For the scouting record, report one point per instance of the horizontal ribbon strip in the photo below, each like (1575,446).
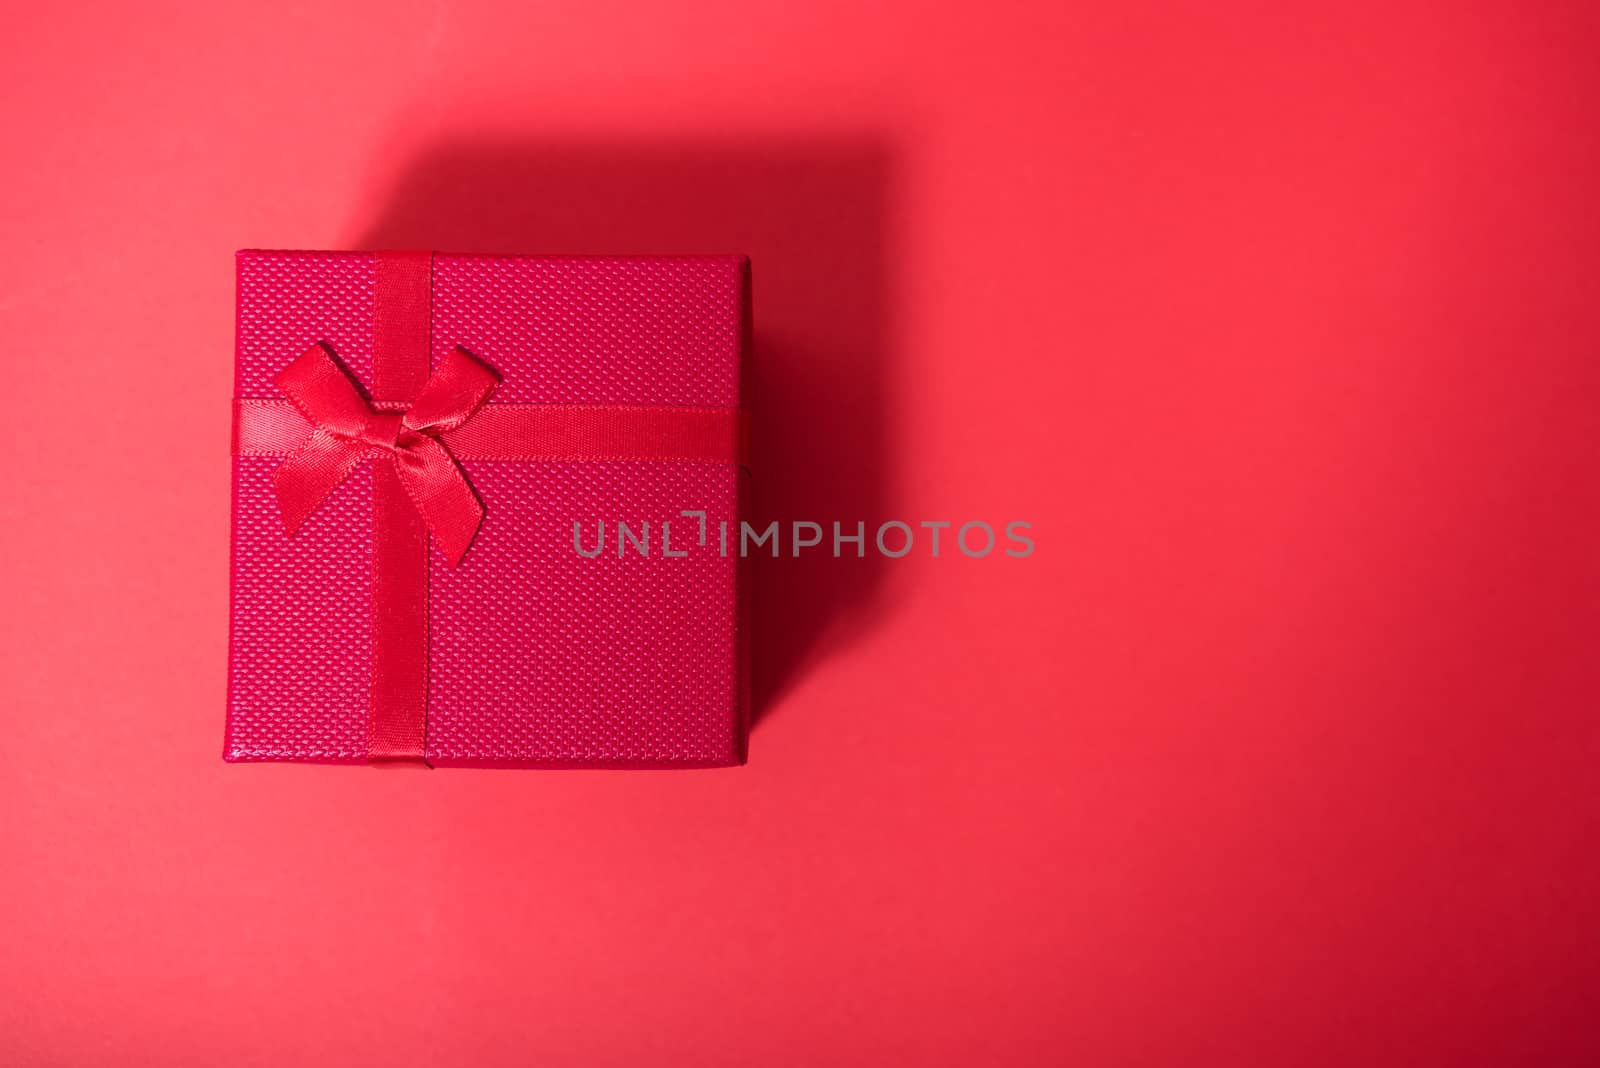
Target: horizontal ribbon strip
(534,432)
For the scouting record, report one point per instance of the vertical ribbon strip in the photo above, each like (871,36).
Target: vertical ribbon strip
(402,351)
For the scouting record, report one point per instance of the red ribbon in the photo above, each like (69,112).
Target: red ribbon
(593,432)
(346,430)
(421,425)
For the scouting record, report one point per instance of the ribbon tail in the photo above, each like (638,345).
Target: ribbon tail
(306,478)
(440,492)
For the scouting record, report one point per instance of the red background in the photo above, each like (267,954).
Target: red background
(1279,325)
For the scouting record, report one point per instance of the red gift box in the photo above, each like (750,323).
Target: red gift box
(427,451)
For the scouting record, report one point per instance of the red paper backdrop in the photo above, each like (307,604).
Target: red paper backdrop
(1280,327)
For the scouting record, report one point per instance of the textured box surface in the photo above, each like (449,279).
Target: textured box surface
(538,656)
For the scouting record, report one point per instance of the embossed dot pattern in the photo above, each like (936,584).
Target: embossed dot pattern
(300,660)
(595,330)
(291,300)
(542,655)
(300,636)
(539,656)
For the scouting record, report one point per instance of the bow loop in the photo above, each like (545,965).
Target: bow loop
(452,394)
(346,429)
(319,387)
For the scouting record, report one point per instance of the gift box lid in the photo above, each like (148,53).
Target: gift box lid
(534,650)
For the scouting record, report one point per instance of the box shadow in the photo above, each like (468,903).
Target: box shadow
(812,214)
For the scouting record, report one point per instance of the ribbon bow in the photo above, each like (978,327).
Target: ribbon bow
(347,429)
